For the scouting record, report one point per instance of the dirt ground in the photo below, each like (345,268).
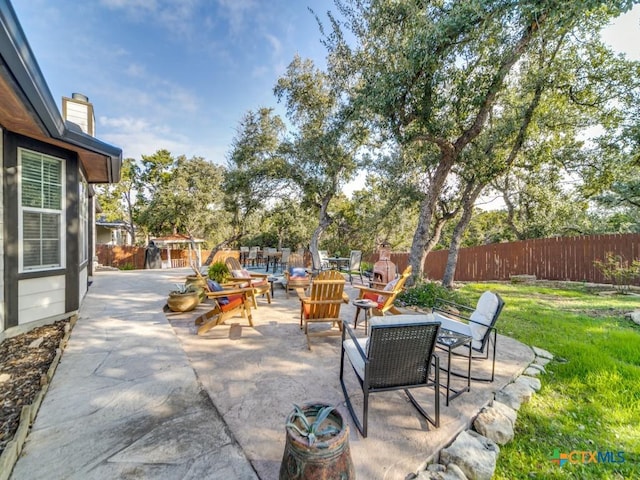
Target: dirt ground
(24,362)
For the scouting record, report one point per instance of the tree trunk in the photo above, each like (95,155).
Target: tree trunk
(422,237)
(324,220)
(461,226)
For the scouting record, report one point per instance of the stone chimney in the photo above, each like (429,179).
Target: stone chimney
(79,110)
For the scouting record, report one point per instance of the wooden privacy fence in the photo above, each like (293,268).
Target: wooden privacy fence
(132,257)
(564,258)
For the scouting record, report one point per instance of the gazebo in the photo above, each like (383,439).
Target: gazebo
(179,241)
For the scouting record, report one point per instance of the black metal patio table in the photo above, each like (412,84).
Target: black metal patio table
(448,340)
(339,261)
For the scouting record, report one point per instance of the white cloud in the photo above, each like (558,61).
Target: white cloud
(177,16)
(138,136)
(136,70)
(275,44)
(235,11)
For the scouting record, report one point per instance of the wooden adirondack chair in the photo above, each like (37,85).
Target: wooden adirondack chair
(323,304)
(243,278)
(227,303)
(383,298)
(295,275)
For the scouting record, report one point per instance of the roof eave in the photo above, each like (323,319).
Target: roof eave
(21,61)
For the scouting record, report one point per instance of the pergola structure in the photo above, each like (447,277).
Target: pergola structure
(178,241)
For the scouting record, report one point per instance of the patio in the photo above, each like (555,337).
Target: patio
(255,375)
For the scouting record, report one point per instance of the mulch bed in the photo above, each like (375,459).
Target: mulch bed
(24,362)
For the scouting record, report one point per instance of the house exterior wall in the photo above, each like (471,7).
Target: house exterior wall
(83,282)
(104,236)
(2,326)
(40,298)
(40,295)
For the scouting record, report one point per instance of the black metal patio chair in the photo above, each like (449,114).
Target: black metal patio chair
(479,323)
(397,355)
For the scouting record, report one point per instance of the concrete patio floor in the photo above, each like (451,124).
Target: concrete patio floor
(254,376)
(138,394)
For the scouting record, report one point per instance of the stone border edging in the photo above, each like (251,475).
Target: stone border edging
(474,452)
(28,414)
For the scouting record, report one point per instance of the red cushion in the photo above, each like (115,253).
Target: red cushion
(373,297)
(234,302)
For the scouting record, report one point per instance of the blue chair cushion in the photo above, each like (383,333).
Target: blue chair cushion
(216,287)
(297,272)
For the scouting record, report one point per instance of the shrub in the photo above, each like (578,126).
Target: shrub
(618,271)
(424,295)
(218,271)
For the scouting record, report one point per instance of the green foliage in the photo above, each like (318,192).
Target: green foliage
(127,266)
(589,396)
(312,431)
(218,271)
(424,295)
(255,172)
(619,271)
(180,195)
(183,289)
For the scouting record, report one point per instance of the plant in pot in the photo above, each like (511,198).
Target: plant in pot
(183,298)
(317,444)
(218,272)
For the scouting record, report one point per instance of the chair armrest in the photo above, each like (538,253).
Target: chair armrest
(260,275)
(442,301)
(348,330)
(376,291)
(230,291)
(445,306)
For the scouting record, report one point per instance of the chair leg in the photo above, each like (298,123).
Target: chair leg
(306,333)
(362,427)
(435,420)
(208,320)
(355,319)
(494,334)
(247,312)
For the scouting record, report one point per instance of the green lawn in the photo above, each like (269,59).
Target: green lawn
(590,396)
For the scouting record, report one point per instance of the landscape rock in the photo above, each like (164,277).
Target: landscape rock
(506,410)
(542,353)
(541,361)
(522,278)
(536,366)
(474,454)
(436,471)
(635,316)
(492,424)
(514,394)
(534,383)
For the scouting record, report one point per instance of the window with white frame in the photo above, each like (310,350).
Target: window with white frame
(41,217)
(83,219)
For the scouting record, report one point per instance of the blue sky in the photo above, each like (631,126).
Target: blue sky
(180,74)
(174,74)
